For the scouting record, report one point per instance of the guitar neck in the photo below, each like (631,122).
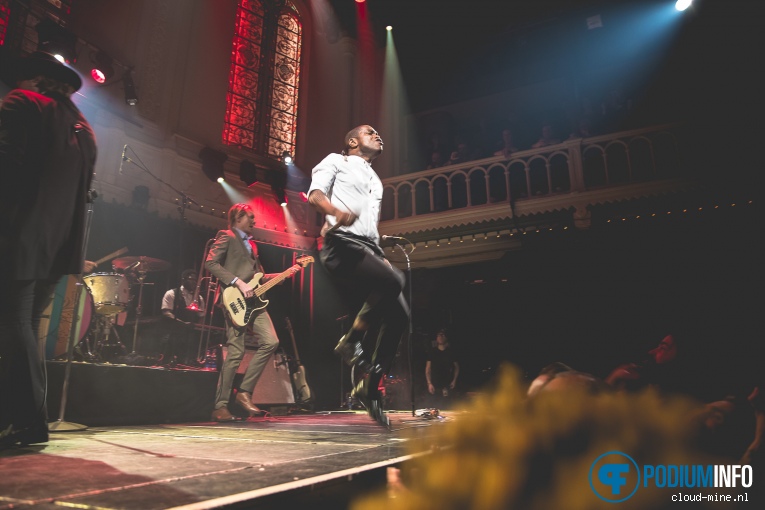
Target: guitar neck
(275,280)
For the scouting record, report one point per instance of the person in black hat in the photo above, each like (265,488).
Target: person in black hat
(47,156)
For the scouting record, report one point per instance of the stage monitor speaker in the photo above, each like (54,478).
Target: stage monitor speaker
(274,385)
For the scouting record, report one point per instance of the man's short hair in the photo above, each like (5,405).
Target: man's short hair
(187,273)
(353,133)
(236,212)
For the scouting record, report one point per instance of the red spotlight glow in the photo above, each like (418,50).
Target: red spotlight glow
(97,75)
(304,196)
(102,69)
(360,1)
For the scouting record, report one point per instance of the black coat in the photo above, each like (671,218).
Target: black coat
(47,156)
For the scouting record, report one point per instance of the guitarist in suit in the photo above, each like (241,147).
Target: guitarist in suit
(233,260)
(348,191)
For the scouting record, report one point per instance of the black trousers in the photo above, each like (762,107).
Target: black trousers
(365,279)
(22,374)
(180,341)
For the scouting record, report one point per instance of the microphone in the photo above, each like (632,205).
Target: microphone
(394,239)
(123,158)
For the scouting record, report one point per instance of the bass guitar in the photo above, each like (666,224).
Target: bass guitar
(241,309)
(302,391)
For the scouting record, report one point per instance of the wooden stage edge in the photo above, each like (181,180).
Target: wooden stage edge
(295,485)
(322,460)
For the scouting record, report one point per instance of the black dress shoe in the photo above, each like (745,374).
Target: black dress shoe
(349,347)
(374,403)
(367,391)
(33,434)
(367,386)
(376,412)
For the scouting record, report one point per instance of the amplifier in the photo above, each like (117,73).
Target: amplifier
(274,385)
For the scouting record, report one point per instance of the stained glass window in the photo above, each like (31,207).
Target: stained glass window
(284,94)
(5,13)
(261,113)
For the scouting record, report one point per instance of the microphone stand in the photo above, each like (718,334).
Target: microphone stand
(185,200)
(344,401)
(409,334)
(60,425)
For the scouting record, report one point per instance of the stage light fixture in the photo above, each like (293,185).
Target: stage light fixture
(280,196)
(287,158)
(212,163)
(102,70)
(54,39)
(248,173)
(682,5)
(131,97)
(389,28)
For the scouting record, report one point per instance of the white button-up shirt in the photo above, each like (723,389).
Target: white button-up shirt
(168,302)
(350,183)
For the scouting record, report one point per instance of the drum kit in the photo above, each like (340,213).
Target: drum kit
(106,297)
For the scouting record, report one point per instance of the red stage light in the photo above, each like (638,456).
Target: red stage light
(97,75)
(360,1)
(103,68)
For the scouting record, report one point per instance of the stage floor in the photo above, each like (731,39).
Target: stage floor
(257,463)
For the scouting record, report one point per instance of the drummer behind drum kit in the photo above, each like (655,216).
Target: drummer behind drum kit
(106,299)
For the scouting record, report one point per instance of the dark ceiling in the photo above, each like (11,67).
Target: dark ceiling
(441,44)
(454,50)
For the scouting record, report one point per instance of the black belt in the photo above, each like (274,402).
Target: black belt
(357,239)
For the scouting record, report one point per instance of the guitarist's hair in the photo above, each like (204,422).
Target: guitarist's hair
(236,212)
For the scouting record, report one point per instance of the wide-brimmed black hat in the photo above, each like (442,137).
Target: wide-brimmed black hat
(13,69)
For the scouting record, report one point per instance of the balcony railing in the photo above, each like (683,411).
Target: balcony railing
(577,165)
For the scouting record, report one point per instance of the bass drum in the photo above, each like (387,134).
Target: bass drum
(56,323)
(110,291)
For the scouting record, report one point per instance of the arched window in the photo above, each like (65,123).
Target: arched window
(262,100)
(5,14)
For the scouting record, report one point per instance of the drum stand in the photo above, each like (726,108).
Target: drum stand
(88,354)
(141,277)
(105,326)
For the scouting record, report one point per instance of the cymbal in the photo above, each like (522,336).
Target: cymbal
(140,264)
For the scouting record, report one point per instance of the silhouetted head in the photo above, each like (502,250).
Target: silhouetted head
(666,351)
